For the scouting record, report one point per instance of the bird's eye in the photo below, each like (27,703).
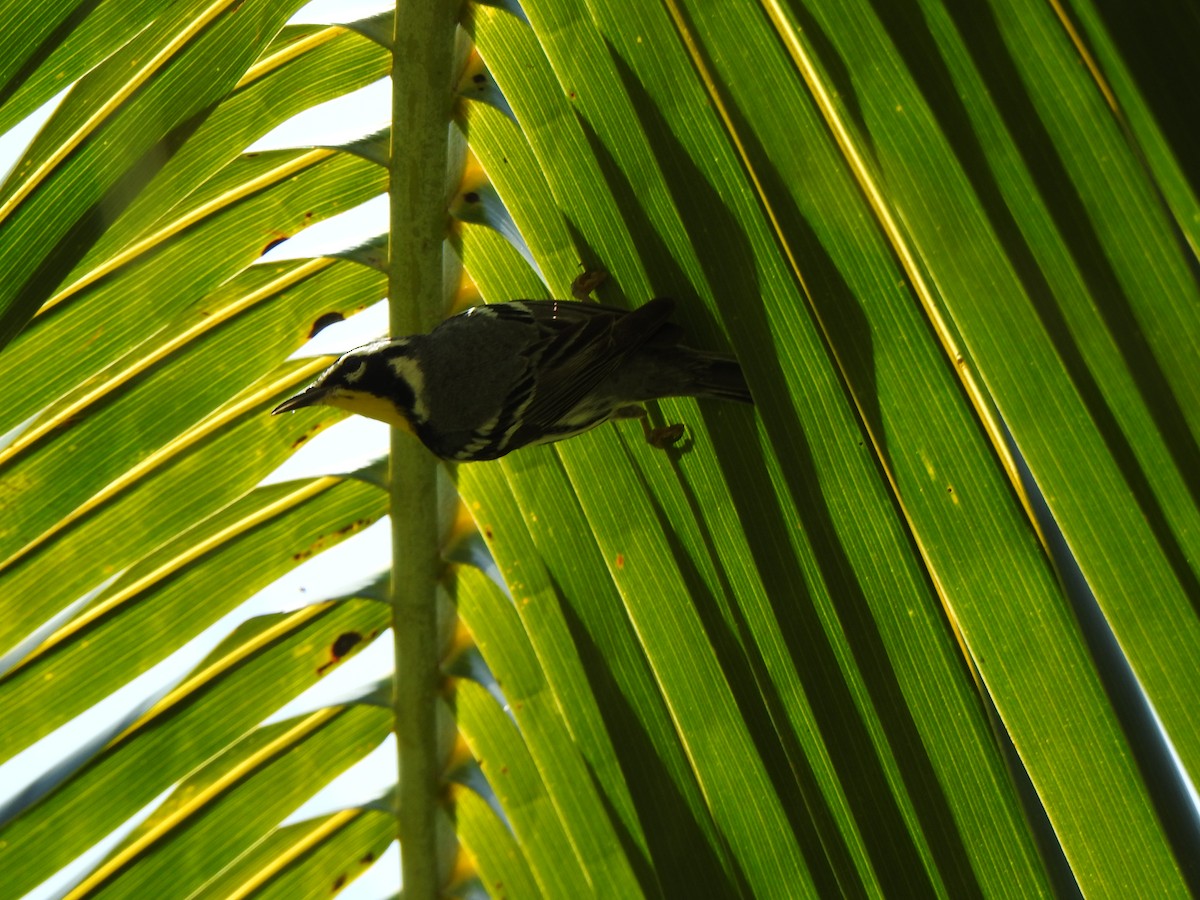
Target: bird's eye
(354,371)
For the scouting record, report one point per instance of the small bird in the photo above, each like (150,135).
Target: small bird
(500,377)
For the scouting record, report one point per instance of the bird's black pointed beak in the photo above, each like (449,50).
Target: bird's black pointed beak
(310,397)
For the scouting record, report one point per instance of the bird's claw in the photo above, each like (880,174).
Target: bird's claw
(661,437)
(583,285)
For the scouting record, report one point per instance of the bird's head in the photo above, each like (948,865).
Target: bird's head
(382,380)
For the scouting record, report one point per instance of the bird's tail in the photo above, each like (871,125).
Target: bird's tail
(709,375)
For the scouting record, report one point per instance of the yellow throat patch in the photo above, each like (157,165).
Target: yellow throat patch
(370,405)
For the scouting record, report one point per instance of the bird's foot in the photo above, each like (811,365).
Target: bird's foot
(583,285)
(662,437)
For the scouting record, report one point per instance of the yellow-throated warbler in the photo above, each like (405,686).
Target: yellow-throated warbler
(499,377)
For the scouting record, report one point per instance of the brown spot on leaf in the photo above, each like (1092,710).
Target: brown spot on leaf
(345,642)
(324,321)
(304,437)
(271,245)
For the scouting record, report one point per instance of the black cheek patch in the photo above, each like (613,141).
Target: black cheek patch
(381,380)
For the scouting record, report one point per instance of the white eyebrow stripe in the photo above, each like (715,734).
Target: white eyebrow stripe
(406,369)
